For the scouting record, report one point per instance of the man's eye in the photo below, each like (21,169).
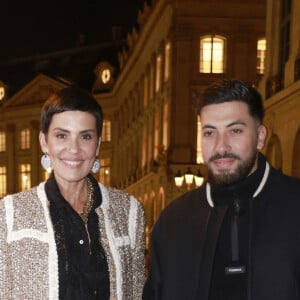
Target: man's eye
(236,130)
(207,133)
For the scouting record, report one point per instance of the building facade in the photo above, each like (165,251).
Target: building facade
(281,85)
(152,132)
(181,48)
(20,152)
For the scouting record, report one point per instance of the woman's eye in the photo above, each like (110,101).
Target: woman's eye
(86,137)
(61,136)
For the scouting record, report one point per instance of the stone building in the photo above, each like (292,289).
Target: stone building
(181,47)
(281,85)
(152,132)
(28,82)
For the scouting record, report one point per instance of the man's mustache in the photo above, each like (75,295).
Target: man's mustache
(224,155)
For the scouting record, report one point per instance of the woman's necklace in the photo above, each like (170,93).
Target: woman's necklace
(89,203)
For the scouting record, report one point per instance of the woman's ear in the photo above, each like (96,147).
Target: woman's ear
(43,142)
(98,146)
(262,136)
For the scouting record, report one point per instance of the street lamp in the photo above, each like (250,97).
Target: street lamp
(188,177)
(199,179)
(178,179)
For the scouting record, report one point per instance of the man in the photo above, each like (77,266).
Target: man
(238,236)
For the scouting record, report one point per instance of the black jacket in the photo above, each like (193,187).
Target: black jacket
(184,240)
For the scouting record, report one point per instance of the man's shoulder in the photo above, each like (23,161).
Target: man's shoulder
(186,204)
(282,187)
(284,180)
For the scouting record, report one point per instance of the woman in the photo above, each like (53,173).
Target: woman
(70,237)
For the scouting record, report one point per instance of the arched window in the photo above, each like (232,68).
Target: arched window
(212,56)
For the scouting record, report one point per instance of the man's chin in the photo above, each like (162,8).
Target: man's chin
(222,178)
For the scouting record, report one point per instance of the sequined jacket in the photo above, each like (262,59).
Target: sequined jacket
(28,257)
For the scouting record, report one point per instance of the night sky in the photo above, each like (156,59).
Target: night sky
(34,27)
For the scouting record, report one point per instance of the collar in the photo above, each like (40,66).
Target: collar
(55,197)
(251,186)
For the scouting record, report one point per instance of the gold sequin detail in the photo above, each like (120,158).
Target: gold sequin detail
(89,203)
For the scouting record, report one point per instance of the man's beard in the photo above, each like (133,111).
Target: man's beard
(226,177)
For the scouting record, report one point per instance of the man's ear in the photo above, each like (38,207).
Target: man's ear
(262,136)
(43,142)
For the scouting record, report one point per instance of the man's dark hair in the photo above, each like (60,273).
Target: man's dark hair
(234,90)
(70,99)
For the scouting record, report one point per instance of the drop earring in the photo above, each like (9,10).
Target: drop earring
(46,161)
(96,166)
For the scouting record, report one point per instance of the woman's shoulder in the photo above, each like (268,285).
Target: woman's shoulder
(22,196)
(24,206)
(108,191)
(24,199)
(117,198)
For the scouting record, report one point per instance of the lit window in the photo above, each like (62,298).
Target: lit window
(25,176)
(151,81)
(212,54)
(25,139)
(146,90)
(261,55)
(2,93)
(144,146)
(2,141)
(104,173)
(3,181)
(105,75)
(167,61)
(158,73)
(199,140)
(106,131)
(156,135)
(165,125)
(285,36)
(150,141)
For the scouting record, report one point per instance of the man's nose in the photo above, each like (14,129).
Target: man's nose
(222,144)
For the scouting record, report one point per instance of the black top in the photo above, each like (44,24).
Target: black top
(230,274)
(83,268)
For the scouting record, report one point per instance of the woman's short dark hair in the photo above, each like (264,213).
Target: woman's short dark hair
(70,99)
(234,90)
